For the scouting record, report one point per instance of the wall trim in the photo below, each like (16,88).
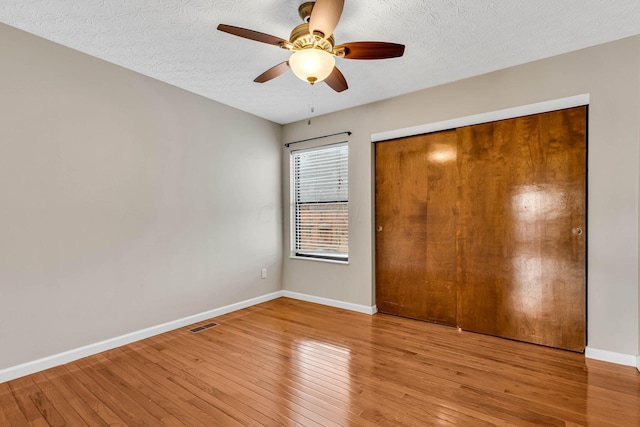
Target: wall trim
(28,368)
(331,302)
(613,357)
(492,116)
(638,362)
(38,365)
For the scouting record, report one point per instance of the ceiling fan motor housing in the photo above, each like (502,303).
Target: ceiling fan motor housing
(301,39)
(305,10)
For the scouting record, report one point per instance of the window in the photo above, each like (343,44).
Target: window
(320,192)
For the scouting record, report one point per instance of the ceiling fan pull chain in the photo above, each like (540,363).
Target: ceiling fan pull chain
(311,107)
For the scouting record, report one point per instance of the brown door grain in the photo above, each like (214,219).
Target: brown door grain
(416,227)
(483,227)
(521,223)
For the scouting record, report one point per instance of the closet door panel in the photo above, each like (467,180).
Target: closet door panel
(521,228)
(415,227)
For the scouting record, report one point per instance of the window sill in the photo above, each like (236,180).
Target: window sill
(331,261)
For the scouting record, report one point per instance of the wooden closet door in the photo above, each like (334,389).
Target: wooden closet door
(521,228)
(416,227)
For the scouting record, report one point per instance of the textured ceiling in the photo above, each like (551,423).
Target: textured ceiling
(176,41)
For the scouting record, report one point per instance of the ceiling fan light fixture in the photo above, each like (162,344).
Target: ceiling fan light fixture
(312,65)
(313,46)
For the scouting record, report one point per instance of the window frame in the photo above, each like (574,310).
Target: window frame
(294,221)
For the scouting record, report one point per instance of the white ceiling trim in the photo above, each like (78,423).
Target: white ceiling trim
(492,116)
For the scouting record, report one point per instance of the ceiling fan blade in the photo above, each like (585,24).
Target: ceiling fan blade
(251,35)
(325,16)
(273,72)
(336,80)
(371,50)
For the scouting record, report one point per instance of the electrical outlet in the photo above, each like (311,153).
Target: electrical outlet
(263,273)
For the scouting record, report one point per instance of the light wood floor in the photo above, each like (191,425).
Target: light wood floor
(287,362)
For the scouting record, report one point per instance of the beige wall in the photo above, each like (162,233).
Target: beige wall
(610,74)
(125,202)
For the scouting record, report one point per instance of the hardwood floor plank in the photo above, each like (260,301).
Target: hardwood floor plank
(163,391)
(467,368)
(9,408)
(48,411)
(264,351)
(290,376)
(294,395)
(49,397)
(298,413)
(297,375)
(22,388)
(403,391)
(292,363)
(66,380)
(200,385)
(125,409)
(230,407)
(66,401)
(115,385)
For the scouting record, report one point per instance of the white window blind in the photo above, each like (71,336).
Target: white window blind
(321,202)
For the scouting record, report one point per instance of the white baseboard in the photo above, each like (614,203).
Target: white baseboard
(28,368)
(18,371)
(331,302)
(610,356)
(638,362)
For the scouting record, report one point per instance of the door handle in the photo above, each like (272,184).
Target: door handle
(379,228)
(577,231)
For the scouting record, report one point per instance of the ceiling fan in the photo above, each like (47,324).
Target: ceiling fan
(313,46)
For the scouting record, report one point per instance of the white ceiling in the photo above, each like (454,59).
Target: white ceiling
(176,41)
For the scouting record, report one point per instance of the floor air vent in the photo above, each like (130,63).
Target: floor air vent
(202,327)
